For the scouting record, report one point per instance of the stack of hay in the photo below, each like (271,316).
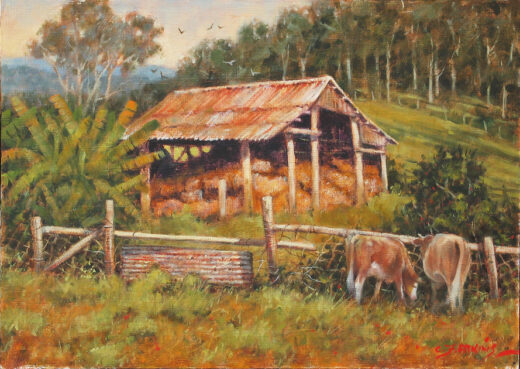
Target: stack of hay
(200,191)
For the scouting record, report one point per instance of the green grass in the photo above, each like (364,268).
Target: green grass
(154,322)
(418,133)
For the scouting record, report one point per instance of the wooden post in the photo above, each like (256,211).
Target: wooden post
(270,236)
(315,160)
(109,238)
(37,238)
(245,157)
(358,164)
(222,198)
(491,265)
(146,196)
(291,164)
(384,174)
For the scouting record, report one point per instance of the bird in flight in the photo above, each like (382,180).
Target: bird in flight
(230,62)
(210,27)
(154,70)
(253,73)
(180,30)
(220,27)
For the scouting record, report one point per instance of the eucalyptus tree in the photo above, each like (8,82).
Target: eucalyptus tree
(89,42)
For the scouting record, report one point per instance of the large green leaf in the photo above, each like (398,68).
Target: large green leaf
(142,160)
(135,140)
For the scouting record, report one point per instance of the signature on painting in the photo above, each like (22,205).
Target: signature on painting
(488,347)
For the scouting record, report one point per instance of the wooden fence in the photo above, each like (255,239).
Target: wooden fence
(271,244)
(108,234)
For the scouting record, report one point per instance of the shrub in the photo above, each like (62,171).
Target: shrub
(449,195)
(15,320)
(63,166)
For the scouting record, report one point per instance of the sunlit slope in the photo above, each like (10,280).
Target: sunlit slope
(418,133)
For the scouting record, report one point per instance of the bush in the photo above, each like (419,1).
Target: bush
(63,166)
(449,195)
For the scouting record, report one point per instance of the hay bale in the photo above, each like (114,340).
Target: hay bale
(193,184)
(303,201)
(331,196)
(209,184)
(191,197)
(280,203)
(303,175)
(344,166)
(233,205)
(261,166)
(338,179)
(204,209)
(269,186)
(167,207)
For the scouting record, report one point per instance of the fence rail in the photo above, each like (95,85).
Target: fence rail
(270,242)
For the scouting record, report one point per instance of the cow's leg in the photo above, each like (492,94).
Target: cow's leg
(360,281)
(350,282)
(377,289)
(398,280)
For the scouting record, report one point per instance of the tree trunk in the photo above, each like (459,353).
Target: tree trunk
(430,80)
(349,73)
(453,78)
(504,101)
(437,73)
(109,84)
(488,93)
(414,72)
(302,66)
(518,78)
(378,84)
(365,75)
(388,72)
(478,80)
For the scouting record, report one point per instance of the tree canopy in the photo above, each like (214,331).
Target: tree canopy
(89,42)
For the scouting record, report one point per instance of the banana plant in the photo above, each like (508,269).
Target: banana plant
(68,164)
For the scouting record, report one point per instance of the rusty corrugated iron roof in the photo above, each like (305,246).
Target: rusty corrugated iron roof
(252,112)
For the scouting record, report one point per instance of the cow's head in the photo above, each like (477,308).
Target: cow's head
(423,243)
(411,282)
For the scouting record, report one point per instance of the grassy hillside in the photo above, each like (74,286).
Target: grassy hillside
(418,133)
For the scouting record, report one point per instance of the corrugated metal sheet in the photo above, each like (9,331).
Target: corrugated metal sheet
(253,112)
(233,268)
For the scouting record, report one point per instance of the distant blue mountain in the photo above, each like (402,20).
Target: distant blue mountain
(26,74)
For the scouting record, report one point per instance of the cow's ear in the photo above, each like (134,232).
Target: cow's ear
(417,242)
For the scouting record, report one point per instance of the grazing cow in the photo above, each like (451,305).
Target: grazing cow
(383,258)
(446,260)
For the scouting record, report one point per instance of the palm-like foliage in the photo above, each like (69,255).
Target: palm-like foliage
(66,166)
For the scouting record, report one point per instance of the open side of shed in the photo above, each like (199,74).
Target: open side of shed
(277,121)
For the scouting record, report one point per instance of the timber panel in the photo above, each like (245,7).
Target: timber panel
(231,268)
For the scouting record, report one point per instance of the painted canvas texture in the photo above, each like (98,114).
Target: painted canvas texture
(253,184)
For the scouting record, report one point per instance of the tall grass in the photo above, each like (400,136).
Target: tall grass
(156,322)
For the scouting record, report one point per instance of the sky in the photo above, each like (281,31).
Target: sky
(21,19)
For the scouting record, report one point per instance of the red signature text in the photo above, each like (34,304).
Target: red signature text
(487,347)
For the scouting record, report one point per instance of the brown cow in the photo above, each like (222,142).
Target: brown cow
(383,258)
(446,260)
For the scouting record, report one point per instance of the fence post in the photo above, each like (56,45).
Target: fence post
(37,238)
(109,238)
(222,189)
(270,236)
(491,265)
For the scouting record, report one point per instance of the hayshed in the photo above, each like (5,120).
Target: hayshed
(302,141)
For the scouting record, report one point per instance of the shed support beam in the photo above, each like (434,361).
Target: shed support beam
(384,175)
(358,164)
(315,159)
(291,164)
(146,195)
(245,158)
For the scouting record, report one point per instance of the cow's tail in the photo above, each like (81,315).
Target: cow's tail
(349,243)
(457,285)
